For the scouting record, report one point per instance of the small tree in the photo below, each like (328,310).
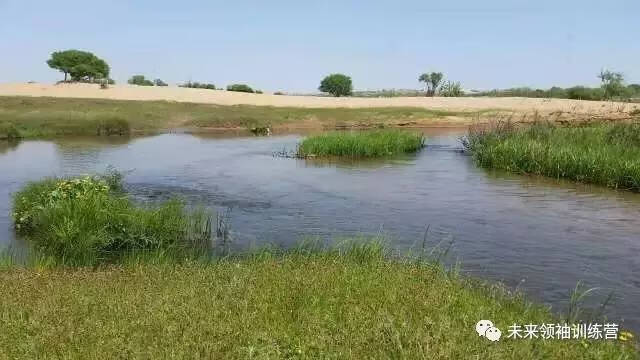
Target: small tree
(431,82)
(612,83)
(336,85)
(140,80)
(81,65)
(451,89)
(159,82)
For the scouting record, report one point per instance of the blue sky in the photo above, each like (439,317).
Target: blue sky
(291,45)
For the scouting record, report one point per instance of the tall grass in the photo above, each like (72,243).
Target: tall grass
(88,221)
(604,154)
(376,143)
(350,302)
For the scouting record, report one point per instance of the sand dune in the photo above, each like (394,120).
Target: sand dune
(220,97)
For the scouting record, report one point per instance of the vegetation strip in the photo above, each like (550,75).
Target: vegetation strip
(30,117)
(353,303)
(375,143)
(88,220)
(604,154)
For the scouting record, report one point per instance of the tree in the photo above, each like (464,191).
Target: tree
(240,88)
(81,65)
(612,83)
(159,82)
(140,80)
(431,82)
(451,89)
(336,85)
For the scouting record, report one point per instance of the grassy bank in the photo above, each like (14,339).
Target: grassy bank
(42,117)
(110,279)
(604,154)
(86,221)
(351,303)
(376,143)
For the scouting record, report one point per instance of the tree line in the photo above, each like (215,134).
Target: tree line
(83,66)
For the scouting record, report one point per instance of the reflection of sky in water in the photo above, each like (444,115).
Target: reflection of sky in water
(505,227)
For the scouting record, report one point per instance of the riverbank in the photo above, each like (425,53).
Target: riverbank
(165,108)
(602,154)
(303,303)
(32,117)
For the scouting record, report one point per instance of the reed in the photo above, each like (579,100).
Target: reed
(603,154)
(376,143)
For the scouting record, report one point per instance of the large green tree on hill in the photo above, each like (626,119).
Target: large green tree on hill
(80,65)
(336,85)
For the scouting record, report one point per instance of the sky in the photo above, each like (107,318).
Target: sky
(290,45)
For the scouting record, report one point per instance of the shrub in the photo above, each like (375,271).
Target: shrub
(9,131)
(197,85)
(336,85)
(375,143)
(140,80)
(85,221)
(240,88)
(112,125)
(159,82)
(585,93)
(451,89)
(278,93)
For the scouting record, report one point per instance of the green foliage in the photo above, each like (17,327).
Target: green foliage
(432,82)
(197,85)
(9,131)
(602,154)
(585,93)
(612,83)
(159,82)
(336,85)
(377,143)
(451,89)
(81,65)
(84,221)
(140,80)
(112,125)
(240,88)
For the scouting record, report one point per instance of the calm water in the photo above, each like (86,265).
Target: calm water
(538,234)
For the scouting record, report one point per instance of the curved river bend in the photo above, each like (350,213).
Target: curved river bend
(540,235)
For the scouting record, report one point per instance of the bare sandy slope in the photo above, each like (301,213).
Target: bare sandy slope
(129,92)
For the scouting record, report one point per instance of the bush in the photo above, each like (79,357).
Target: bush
(140,80)
(585,93)
(197,85)
(240,88)
(9,131)
(159,82)
(451,89)
(84,221)
(336,85)
(278,93)
(112,125)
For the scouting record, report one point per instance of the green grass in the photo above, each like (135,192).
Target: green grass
(86,221)
(374,143)
(604,154)
(44,117)
(352,302)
